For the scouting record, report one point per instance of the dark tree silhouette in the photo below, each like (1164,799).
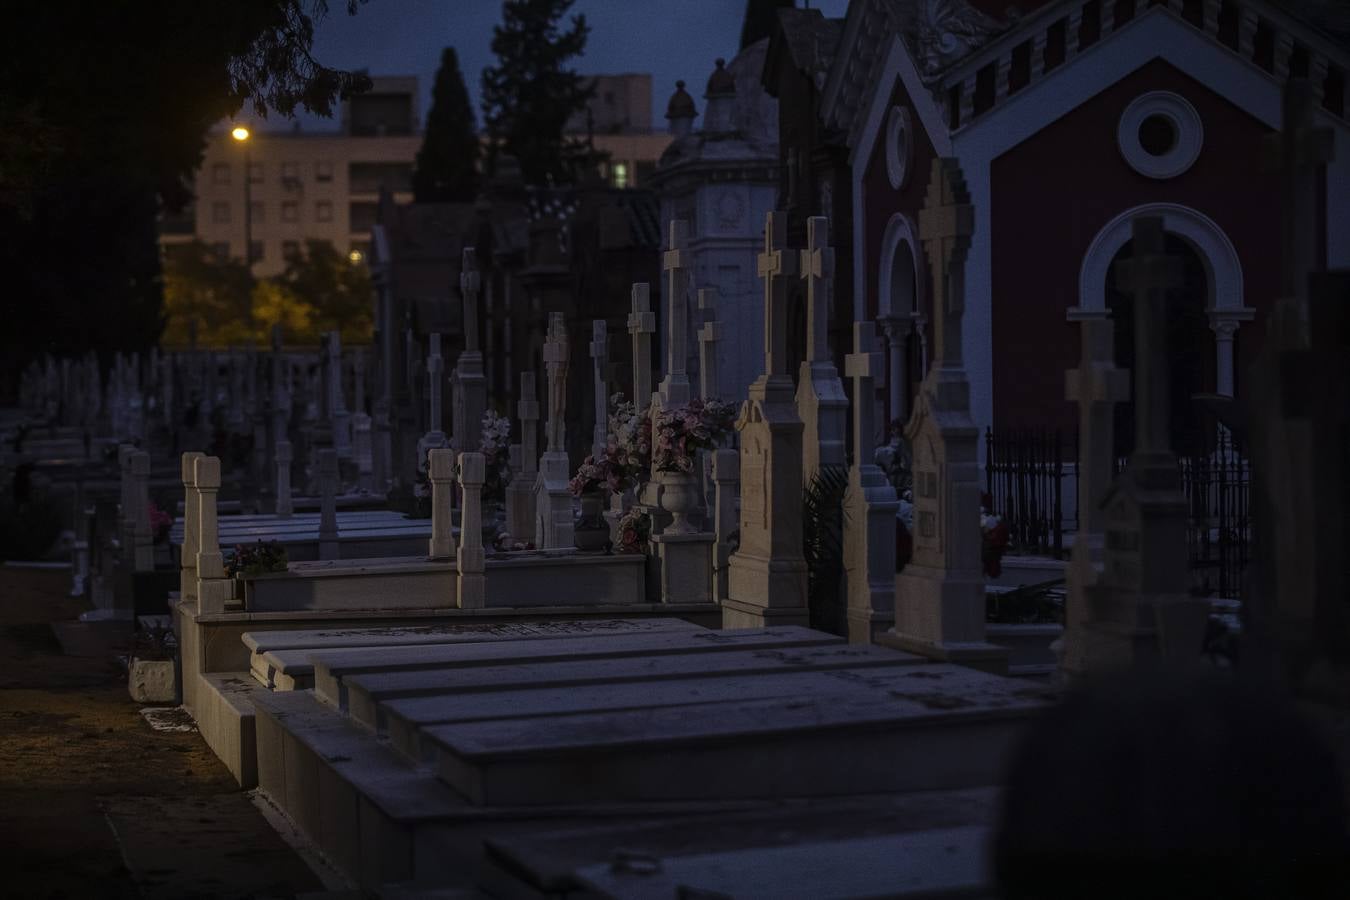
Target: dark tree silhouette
(446,167)
(760,18)
(530,94)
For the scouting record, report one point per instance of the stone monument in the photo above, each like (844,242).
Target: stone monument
(820,394)
(552,497)
(520,492)
(471,590)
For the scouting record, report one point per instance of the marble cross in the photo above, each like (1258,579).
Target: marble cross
(642,325)
(1096,386)
(469,282)
(599,354)
(864,365)
(1148,276)
(708,338)
(675,261)
(946,223)
(775,265)
(555,362)
(817,265)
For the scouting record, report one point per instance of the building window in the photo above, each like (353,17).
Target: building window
(290,170)
(323,170)
(323,211)
(645,170)
(369,178)
(221,249)
(290,211)
(255,212)
(1160,134)
(620,171)
(290,250)
(220,213)
(361,216)
(220,174)
(255,251)
(255,173)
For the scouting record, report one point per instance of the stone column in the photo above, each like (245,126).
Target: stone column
(213,588)
(472,582)
(552,497)
(599,354)
(284,458)
(870,505)
(142,541)
(897,329)
(726,473)
(328,524)
(471,383)
(520,506)
(767,578)
(187,556)
(441,471)
(821,402)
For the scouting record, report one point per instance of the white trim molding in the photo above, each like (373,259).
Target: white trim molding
(899,230)
(1187,128)
(1223,269)
(899,146)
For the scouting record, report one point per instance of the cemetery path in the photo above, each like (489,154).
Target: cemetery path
(95,802)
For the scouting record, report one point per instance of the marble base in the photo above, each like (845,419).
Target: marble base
(685,567)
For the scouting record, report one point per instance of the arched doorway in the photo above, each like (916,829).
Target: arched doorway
(1191,352)
(900,297)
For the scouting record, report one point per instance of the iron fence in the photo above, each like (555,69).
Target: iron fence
(1024,477)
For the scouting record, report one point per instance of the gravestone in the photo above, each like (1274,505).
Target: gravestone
(641,326)
(599,354)
(1140,608)
(869,504)
(434,438)
(471,384)
(1096,386)
(820,394)
(284,458)
(767,574)
(939,597)
(187,583)
(472,583)
(520,492)
(675,389)
(709,336)
(328,527)
(552,497)
(213,588)
(441,473)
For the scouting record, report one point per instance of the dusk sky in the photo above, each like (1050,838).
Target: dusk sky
(671,39)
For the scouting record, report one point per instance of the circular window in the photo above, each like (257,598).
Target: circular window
(1160,134)
(899,146)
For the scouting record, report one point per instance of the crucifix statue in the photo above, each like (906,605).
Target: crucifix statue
(775,265)
(945,225)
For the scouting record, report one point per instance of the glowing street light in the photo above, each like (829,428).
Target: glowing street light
(355,256)
(240,133)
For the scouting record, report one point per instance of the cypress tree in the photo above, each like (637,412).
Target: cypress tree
(446,166)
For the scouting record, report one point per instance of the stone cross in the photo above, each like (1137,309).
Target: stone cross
(817,265)
(776,265)
(555,361)
(328,525)
(527,410)
(1096,386)
(1149,275)
(675,261)
(946,223)
(472,587)
(864,365)
(213,589)
(709,336)
(441,472)
(599,354)
(1301,152)
(469,282)
(283,460)
(642,325)
(187,575)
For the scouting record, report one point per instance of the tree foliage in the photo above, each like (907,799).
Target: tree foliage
(104,108)
(761,16)
(446,167)
(531,93)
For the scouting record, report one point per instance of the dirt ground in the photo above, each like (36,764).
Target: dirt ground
(93,801)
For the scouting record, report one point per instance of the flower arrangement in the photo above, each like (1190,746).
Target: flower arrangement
(994,538)
(682,431)
(629,443)
(591,476)
(258,559)
(495,445)
(160,523)
(635,530)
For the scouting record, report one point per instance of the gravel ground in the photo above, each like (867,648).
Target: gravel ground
(93,801)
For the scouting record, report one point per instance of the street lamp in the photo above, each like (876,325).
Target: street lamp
(241,134)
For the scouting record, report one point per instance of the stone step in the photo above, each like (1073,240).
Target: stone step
(293,668)
(405,718)
(263,643)
(331,666)
(939,726)
(366,692)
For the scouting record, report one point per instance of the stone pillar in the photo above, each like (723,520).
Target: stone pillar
(726,473)
(213,588)
(821,402)
(441,471)
(337,402)
(939,598)
(435,437)
(675,389)
(641,326)
(709,336)
(472,582)
(142,540)
(520,507)
(284,457)
(471,383)
(187,557)
(767,577)
(552,497)
(599,354)
(897,329)
(870,505)
(328,524)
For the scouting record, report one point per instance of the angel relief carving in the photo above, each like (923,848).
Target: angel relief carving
(947,30)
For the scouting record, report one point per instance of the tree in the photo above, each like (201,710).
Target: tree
(761,16)
(338,290)
(530,94)
(207,299)
(113,126)
(446,168)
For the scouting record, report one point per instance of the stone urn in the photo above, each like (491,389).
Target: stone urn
(591,531)
(680,498)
